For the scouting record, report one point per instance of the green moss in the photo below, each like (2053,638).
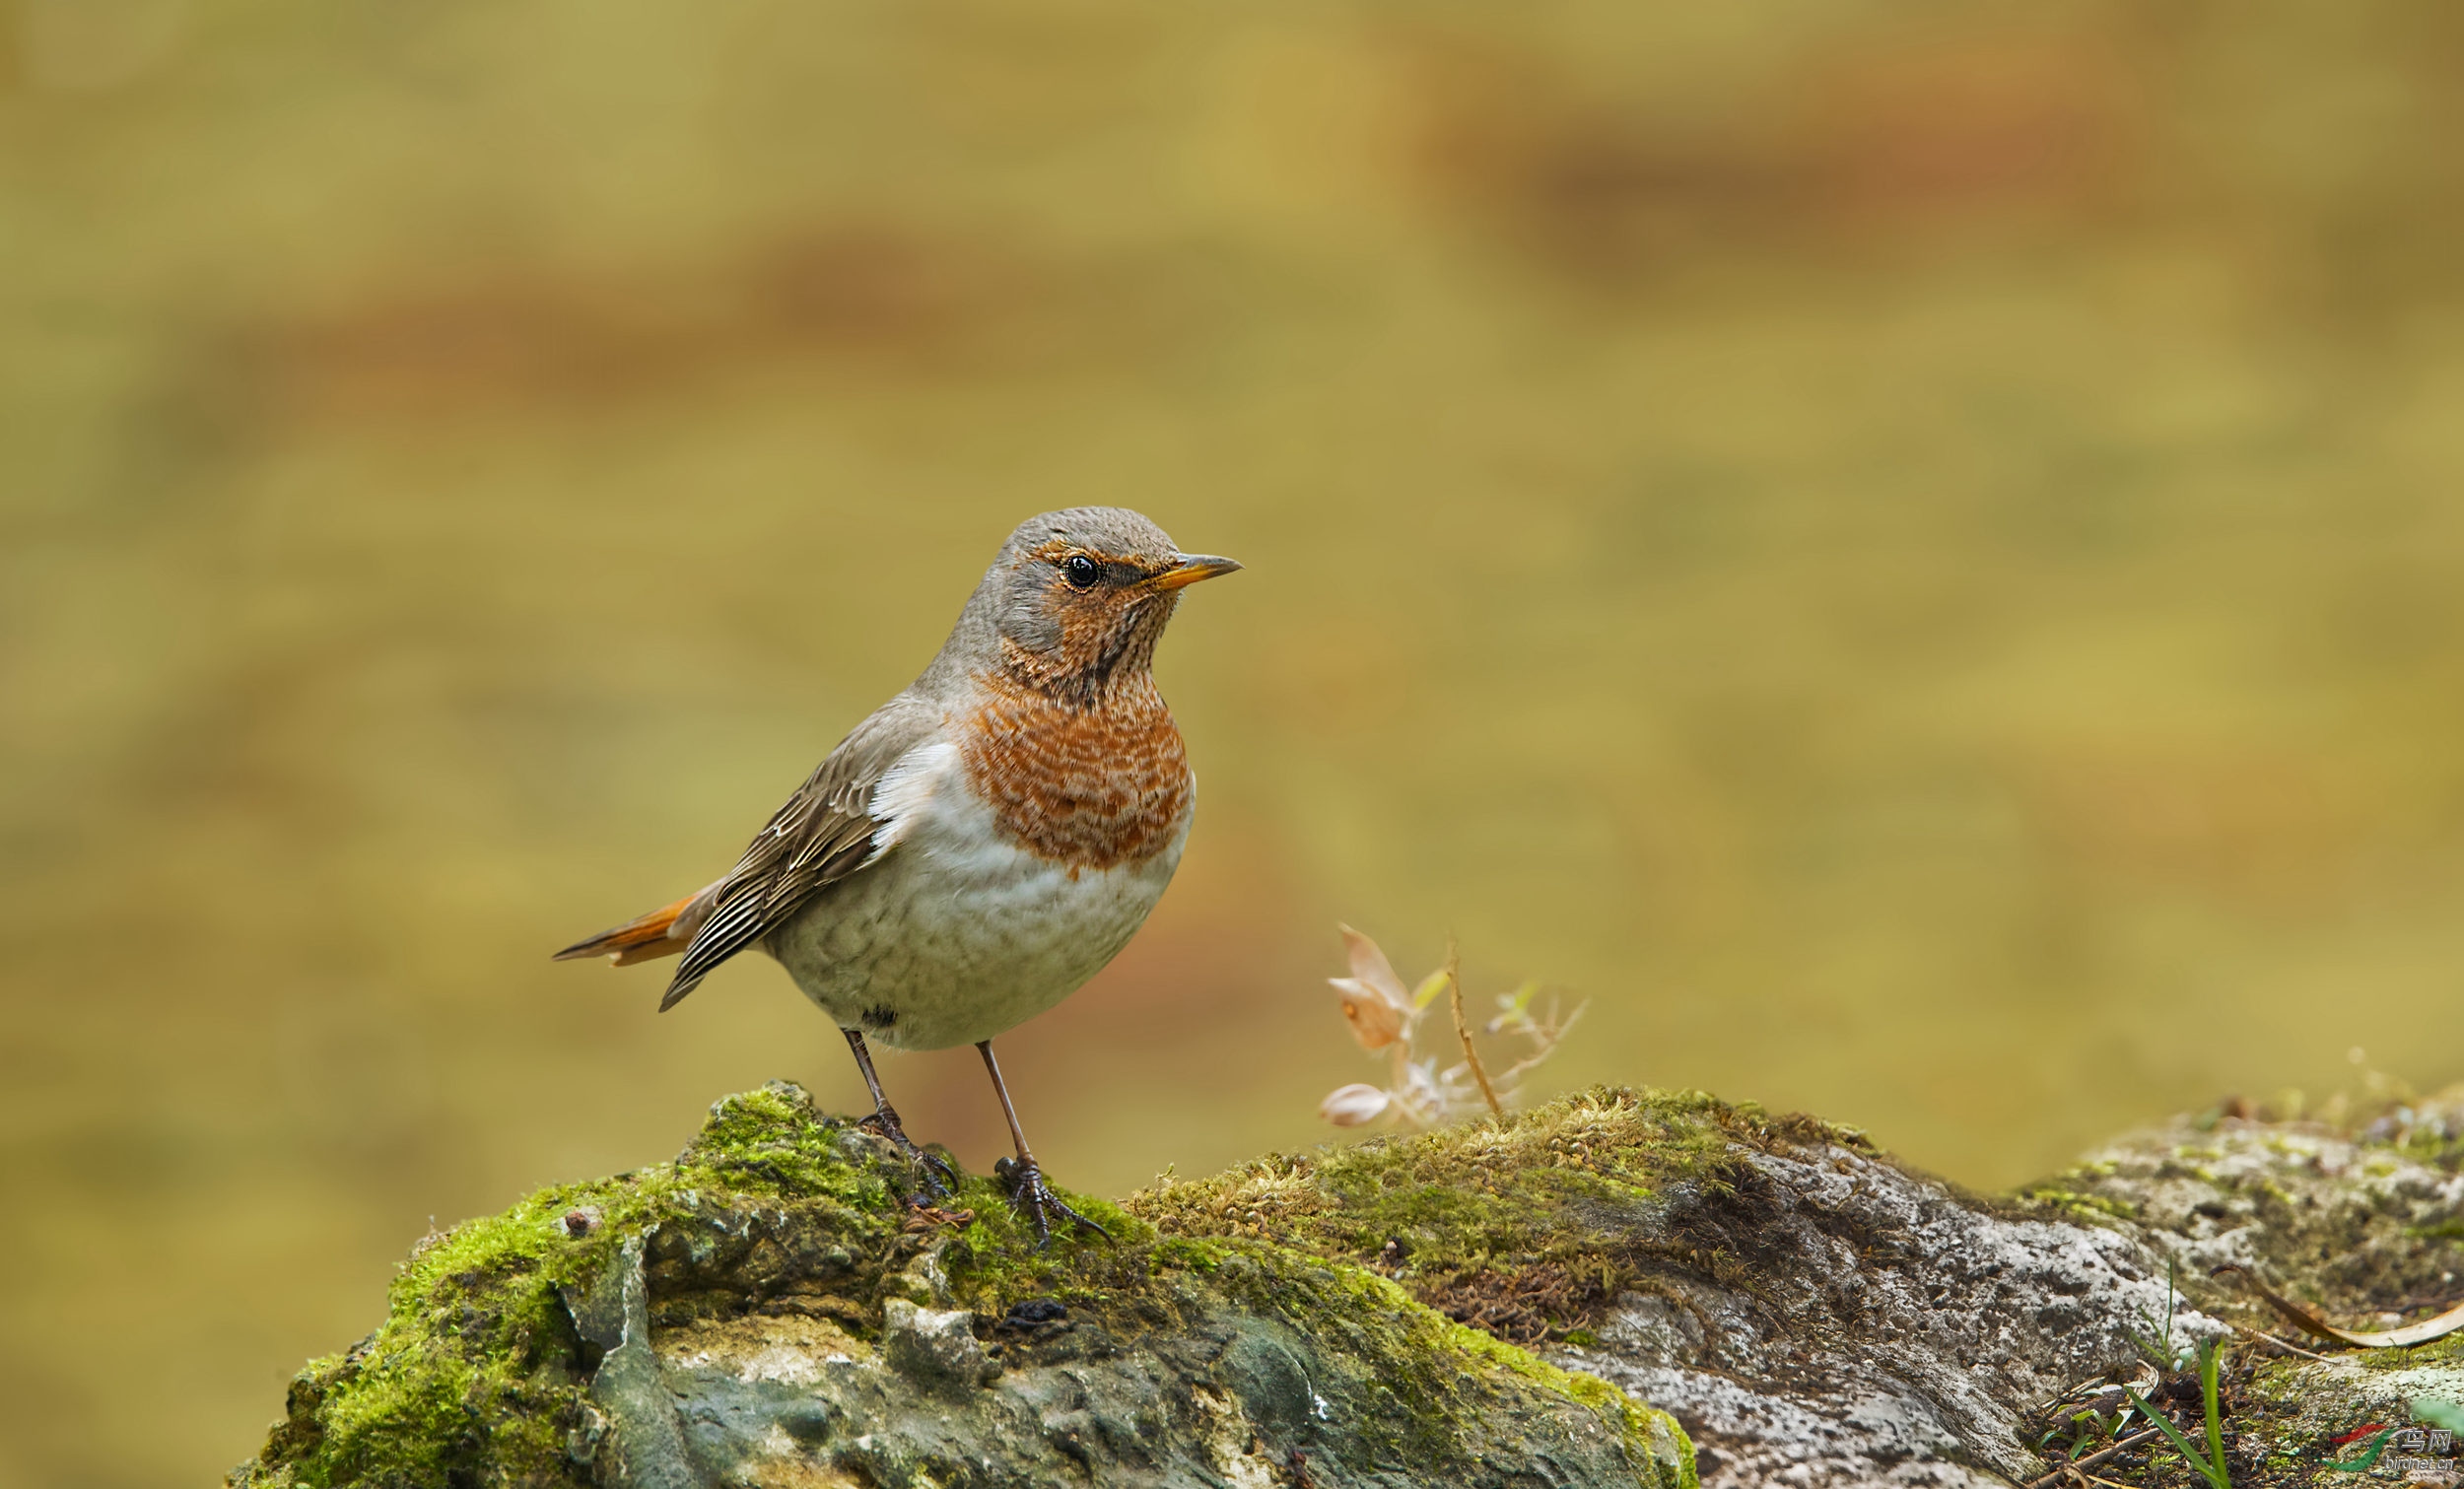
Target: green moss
(1500,1208)
(1188,1253)
(1651,1437)
(474,1334)
(2074,1204)
(994,1260)
(2435,1352)
(478,1375)
(1430,1383)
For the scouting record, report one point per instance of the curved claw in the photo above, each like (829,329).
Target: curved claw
(937,1171)
(1035,1200)
(940,1180)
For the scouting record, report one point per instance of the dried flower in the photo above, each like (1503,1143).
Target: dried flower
(1375,1022)
(1375,1003)
(1385,1016)
(1370,967)
(1354,1105)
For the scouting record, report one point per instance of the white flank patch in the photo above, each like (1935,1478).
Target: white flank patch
(906,790)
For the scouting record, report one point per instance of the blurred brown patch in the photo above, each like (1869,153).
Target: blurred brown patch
(2041,123)
(884,296)
(2037,124)
(1591,187)
(2267,829)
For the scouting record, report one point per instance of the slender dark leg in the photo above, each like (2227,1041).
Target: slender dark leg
(1028,1192)
(884,1120)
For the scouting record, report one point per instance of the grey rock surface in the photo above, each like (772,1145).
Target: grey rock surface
(1814,1313)
(1230,1397)
(2361,1221)
(1709,1292)
(1875,1326)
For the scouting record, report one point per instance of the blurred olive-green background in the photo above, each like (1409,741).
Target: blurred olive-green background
(1911,554)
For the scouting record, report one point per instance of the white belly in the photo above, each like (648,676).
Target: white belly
(955,934)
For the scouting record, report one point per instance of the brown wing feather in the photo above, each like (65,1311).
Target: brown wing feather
(823,833)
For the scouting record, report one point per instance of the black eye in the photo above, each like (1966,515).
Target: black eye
(1080,570)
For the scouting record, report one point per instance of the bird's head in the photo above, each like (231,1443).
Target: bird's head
(1082,595)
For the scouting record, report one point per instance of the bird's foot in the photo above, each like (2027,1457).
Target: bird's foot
(1035,1200)
(940,1180)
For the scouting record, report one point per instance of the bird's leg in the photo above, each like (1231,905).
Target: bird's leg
(1028,1194)
(938,1175)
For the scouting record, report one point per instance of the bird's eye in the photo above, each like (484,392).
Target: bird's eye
(1079,570)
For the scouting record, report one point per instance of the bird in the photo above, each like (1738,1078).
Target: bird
(986,842)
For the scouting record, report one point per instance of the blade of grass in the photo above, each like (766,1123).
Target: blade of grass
(2171,1294)
(2211,1366)
(2181,1444)
(2160,1351)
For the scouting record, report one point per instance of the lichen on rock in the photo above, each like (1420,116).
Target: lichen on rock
(1622,1287)
(2365,1224)
(1801,1303)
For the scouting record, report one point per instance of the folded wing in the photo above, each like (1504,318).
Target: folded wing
(824,833)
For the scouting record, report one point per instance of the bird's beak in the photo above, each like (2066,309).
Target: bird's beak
(1192,567)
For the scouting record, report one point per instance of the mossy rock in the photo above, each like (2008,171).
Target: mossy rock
(770,1308)
(1526,1228)
(1811,1310)
(1622,1287)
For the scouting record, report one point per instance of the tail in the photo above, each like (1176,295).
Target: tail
(663,932)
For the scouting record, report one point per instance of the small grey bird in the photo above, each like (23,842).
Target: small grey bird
(988,839)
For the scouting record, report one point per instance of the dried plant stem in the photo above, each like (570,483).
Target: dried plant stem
(2278,1343)
(1462,1028)
(2092,1460)
(1546,1040)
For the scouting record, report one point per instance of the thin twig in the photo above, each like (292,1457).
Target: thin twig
(2093,1459)
(1463,1027)
(2281,1345)
(1554,1035)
